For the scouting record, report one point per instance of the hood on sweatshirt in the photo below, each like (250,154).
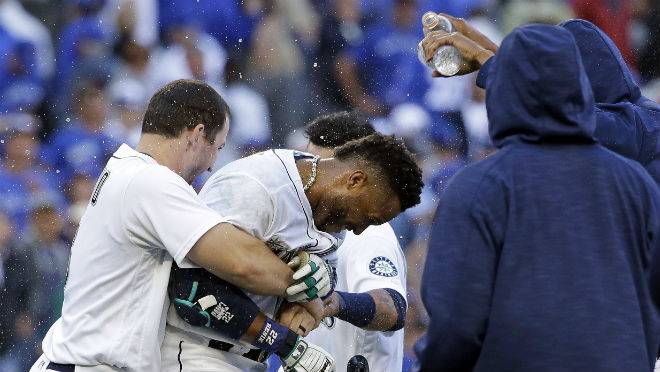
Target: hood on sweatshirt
(537,89)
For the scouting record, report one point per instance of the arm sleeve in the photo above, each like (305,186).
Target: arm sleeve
(242,201)
(161,210)
(628,130)
(459,275)
(482,76)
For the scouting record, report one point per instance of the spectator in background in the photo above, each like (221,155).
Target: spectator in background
(22,177)
(649,58)
(127,108)
(191,53)
(341,30)
(250,131)
(381,72)
(79,191)
(135,67)
(136,20)
(81,147)
(251,119)
(46,248)
(84,53)
(276,66)
(16,283)
(614,17)
(231,22)
(22,25)
(519,12)
(457,8)
(21,88)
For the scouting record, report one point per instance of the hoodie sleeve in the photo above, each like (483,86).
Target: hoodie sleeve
(482,76)
(460,270)
(628,130)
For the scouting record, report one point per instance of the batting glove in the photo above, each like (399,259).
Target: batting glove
(307,357)
(313,278)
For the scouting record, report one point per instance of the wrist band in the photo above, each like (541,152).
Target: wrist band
(272,336)
(401,307)
(358,309)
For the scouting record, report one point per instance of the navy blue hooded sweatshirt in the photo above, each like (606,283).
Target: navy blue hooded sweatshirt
(540,256)
(626,122)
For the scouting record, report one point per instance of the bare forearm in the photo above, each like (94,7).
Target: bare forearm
(242,260)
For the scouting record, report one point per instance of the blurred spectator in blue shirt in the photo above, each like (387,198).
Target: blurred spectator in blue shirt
(22,178)
(84,51)
(380,72)
(20,85)
(24,26)
(81,146)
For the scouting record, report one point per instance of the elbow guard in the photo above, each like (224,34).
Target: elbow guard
(204,300)
(401,307)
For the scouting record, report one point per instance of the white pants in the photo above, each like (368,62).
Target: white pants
(41,365)
(186,352)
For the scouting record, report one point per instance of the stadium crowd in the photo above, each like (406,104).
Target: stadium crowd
(75,77)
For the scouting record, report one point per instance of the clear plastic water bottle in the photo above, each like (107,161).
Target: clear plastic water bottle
(447,59)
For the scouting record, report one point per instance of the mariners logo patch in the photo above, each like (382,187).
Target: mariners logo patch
(383,266)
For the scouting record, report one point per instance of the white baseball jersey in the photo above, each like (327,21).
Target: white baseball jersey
(365,262)
(140,216)
(263,195)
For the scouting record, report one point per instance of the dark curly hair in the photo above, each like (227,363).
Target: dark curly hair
(336,129)
(392,159)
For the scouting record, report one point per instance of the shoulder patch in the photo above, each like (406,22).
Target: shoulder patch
(383,266)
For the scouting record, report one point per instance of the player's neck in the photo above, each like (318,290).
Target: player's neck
(165,151)
(327,170)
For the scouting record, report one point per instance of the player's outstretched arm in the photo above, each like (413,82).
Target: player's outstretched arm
(241,259)
(382,309)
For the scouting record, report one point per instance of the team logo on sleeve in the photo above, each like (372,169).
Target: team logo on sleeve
(383,266)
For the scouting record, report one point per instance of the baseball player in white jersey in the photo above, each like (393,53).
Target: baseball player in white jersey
(142,215)
(291,200)
(371,268)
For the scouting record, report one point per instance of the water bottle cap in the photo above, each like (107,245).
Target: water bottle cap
(430,20)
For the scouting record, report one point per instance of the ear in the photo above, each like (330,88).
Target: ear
(357,179)
(196,134)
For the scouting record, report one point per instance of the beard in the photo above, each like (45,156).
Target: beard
(334,214)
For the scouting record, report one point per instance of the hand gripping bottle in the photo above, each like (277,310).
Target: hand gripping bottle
(447,59)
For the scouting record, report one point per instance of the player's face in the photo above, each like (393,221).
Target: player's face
(203,153)
(355,207)
(211,150)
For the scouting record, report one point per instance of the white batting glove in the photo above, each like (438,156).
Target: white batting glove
(307,357)
(313,278)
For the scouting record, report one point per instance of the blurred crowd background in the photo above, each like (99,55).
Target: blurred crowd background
(76,75)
